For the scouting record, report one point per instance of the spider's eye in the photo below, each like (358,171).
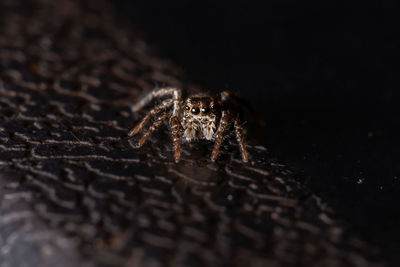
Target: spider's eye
(187,108)
(205,110)
(195,111)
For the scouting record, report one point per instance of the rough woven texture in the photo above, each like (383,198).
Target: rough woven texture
(75,191)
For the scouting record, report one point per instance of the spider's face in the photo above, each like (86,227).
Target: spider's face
(200,107)
(200,117)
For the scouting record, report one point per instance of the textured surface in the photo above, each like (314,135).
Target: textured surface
(75,190)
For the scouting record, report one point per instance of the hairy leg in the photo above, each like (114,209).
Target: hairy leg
(221,133)
(240,139)
(153,127)
(174,92)
(153,112)
(175,127)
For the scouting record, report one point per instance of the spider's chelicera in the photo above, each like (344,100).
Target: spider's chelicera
(200,116)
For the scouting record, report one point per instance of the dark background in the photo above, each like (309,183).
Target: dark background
(323,75)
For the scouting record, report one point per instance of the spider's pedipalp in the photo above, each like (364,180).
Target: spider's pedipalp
(153,112)
(240,140)
(154,127)
(174,92)
(221,133)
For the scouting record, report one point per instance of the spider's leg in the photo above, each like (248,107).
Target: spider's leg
(221,133)
(240,139)
(164,105)
(174,92)
(175,127)
(153,127)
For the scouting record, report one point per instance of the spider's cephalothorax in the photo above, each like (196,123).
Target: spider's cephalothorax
(200,116)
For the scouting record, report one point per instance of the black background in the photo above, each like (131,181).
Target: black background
(323,75)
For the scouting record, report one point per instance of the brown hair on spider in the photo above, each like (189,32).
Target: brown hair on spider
(200,116)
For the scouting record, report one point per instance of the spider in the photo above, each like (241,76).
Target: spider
(200,116)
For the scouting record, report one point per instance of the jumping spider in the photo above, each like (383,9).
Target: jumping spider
(200,116)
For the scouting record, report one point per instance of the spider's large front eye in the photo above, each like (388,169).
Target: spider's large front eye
(195,111)
(205,110)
